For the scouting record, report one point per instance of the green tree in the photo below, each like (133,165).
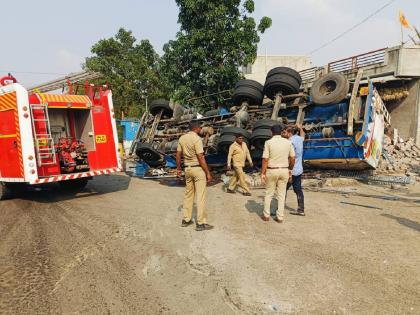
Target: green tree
(215,39)
(131,69)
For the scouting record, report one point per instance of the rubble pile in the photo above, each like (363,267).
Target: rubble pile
(400,156)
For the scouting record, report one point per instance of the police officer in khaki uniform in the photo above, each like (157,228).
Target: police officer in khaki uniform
(239,153)
(278,161)
(196,170)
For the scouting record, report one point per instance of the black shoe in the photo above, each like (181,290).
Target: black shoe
(230,191)
(203,227)
(246,194)
(186,223)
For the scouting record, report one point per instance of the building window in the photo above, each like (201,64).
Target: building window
(247,69)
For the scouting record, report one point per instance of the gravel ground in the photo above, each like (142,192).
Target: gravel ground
(118,248)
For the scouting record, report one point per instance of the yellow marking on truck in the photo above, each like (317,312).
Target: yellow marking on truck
(7,136)
(42,142)
(101,139)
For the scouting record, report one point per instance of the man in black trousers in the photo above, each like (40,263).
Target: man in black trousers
(297,136)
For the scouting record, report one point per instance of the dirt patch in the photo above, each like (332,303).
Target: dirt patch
(118,248)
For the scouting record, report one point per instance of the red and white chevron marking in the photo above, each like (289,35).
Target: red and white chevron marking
(58,178)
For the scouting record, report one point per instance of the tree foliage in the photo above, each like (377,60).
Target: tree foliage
(131,68)
(215,39)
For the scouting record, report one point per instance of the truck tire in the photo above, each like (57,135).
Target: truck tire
(147,153)
(332,88)
(160,104)
(224,143)
(235,131)
(285,71)
(259,137)
(249,91)
(267,124)
(5,191)
(282,84)
(256,156)
(74,184)
(157,163)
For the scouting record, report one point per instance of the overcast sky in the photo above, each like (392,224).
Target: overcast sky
(54,37)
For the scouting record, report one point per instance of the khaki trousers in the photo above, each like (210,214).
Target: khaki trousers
(239,177)
(276,182)
(196,184)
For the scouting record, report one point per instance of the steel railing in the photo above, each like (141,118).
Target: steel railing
(308,74)
(359,61)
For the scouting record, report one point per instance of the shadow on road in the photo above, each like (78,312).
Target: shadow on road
(258,207)
(97,186)
(403,221)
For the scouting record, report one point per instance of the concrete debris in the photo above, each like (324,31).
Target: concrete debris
(399,156)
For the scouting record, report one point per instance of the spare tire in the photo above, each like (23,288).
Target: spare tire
(249,91)
(235,131)
(332,88)
(267,124)
(259,137)
(224,142)
(283,84)
(147,153)
(161,105)
(285,71)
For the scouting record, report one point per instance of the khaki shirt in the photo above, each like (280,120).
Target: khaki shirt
(239,154)
(190,145)
(278,150)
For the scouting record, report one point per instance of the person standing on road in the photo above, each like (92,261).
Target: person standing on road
(278,161)
(296,135)
(239,153)
(196,172)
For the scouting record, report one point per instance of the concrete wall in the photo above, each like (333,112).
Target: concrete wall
(263,64)
(405,117)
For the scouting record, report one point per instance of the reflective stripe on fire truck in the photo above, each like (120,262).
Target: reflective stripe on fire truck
(15,97)
(59,178)
(27,139)
(114,128)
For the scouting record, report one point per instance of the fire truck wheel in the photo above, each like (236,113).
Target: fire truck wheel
(266,124)
(5,191)
(74,185)
(249,91)
(332,88)
(259,137)
(235,131)
(280,83)
(161,105)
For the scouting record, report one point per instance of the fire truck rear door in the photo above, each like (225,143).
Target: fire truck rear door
(9,147)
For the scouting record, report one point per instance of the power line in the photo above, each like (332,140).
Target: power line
(352,28)
(29,72)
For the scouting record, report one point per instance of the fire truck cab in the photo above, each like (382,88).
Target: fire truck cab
(61,138)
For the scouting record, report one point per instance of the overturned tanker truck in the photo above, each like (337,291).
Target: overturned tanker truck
(344,122)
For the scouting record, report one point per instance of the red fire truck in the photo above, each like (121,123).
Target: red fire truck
(64,138)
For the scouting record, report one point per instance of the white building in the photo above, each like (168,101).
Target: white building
(263,64)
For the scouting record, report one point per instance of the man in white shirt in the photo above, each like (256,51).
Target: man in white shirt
(278,160)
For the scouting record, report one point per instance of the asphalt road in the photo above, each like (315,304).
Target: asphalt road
(118,248)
